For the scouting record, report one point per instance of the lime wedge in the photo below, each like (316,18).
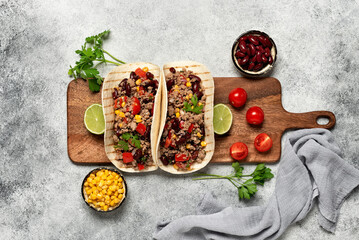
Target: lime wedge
(94,119)
(222,119)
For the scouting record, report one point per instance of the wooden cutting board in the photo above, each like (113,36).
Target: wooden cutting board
(84,147)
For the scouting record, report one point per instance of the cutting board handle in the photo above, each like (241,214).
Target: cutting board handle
(310,120)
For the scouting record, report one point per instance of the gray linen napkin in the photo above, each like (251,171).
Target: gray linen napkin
(311,166)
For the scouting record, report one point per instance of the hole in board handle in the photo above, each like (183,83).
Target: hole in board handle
(323,120)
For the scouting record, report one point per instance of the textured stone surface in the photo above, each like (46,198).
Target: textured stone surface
(318,67)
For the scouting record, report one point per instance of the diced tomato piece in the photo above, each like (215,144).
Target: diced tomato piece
(168,142)
(140,73)
(127,157)
(116,102)
(125,120)
(140,166)
(190,129)
(183,79)
(180,157)
(136,106)
(141,91)
(166,126)
(181,125)
(141,129)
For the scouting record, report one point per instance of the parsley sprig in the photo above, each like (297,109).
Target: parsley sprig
(132,139)
(91,52)
(188,107)
(246,184)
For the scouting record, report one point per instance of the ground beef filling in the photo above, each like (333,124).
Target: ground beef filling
(133,104)
(182,141)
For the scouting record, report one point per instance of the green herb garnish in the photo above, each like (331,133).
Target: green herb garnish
(246,184)
(122,144)
(133,139)
(188,107)
(85,67)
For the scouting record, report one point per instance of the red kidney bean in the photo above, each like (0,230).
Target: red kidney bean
(254,58)
(264,59)
(194,77)
(133,75)
(266,52)
(175,124)
(252,49)
(164,160)
(123,84)
(137,154)
(169,84)
(195,155)
(270,60)
(242,46)
(172,70)
(149,75)
(244,38)
(258,67)
(253,40)
(128,89)
(195,87)
(251,66)
(199,95)
(260,48)
(239,54)
(248,51)
(259,57)
(268,42)
(244,61)
(262,40)
(115,94)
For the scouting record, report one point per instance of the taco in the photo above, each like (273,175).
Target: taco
(186,141)
(130,96)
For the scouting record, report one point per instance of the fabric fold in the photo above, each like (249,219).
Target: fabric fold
(311,168)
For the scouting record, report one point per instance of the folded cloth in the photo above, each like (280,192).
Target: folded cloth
(311,167)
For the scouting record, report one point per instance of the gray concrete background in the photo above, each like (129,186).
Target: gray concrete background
(318,66)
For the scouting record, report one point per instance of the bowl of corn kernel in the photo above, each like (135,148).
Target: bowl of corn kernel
(104,189)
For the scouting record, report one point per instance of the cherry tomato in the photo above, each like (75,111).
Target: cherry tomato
(140,73)
(237,97)
(136,106)
(141,129)
(140,166)
(239,151)
(127,157)
(255,115)
(180,157)
(263,142)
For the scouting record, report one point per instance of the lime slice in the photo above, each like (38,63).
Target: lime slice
(222,119)
(94,119)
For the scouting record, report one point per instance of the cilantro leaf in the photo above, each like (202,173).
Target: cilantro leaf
(126,136)
(194,108)
(122,144)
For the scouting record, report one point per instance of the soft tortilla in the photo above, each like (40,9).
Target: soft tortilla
(208,85)
(112,80)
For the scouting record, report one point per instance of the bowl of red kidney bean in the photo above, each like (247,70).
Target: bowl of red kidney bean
(254,53)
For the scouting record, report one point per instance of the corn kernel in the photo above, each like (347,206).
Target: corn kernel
(138,118)
(116,194)
(174,136)
(117,112)
(109,192)
(103,177)
(102,204)
(110,177)
(120,185)
(177,110)
(188,146)
(92,176)
(86,184)
(105,208)
(188,79)
(175,166)
(91,184)
(89,200)
(121,114)
(112,188)
(176,86)
(138,82)
(145,69)
(199,104)
(190,95)
(188,84)
(177,114)
(120,196)
(88,192)
(117,177)
(199,135)
(112,203)
(120,179)
(120,125)
(89,179)
(93,196)
(116,200)
(113,197)
(192,107)
(187,97)
(123,104)
(121,190)
(138,89)
(107,202)
(203,144)
(103,191)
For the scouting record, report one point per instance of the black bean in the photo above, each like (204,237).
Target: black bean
(128,89)
(169,84)
(175,124)
(199,95)
(133,75)
(165,160)
(115,94)
(137,155)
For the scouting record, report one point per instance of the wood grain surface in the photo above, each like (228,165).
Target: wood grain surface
(84,147)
